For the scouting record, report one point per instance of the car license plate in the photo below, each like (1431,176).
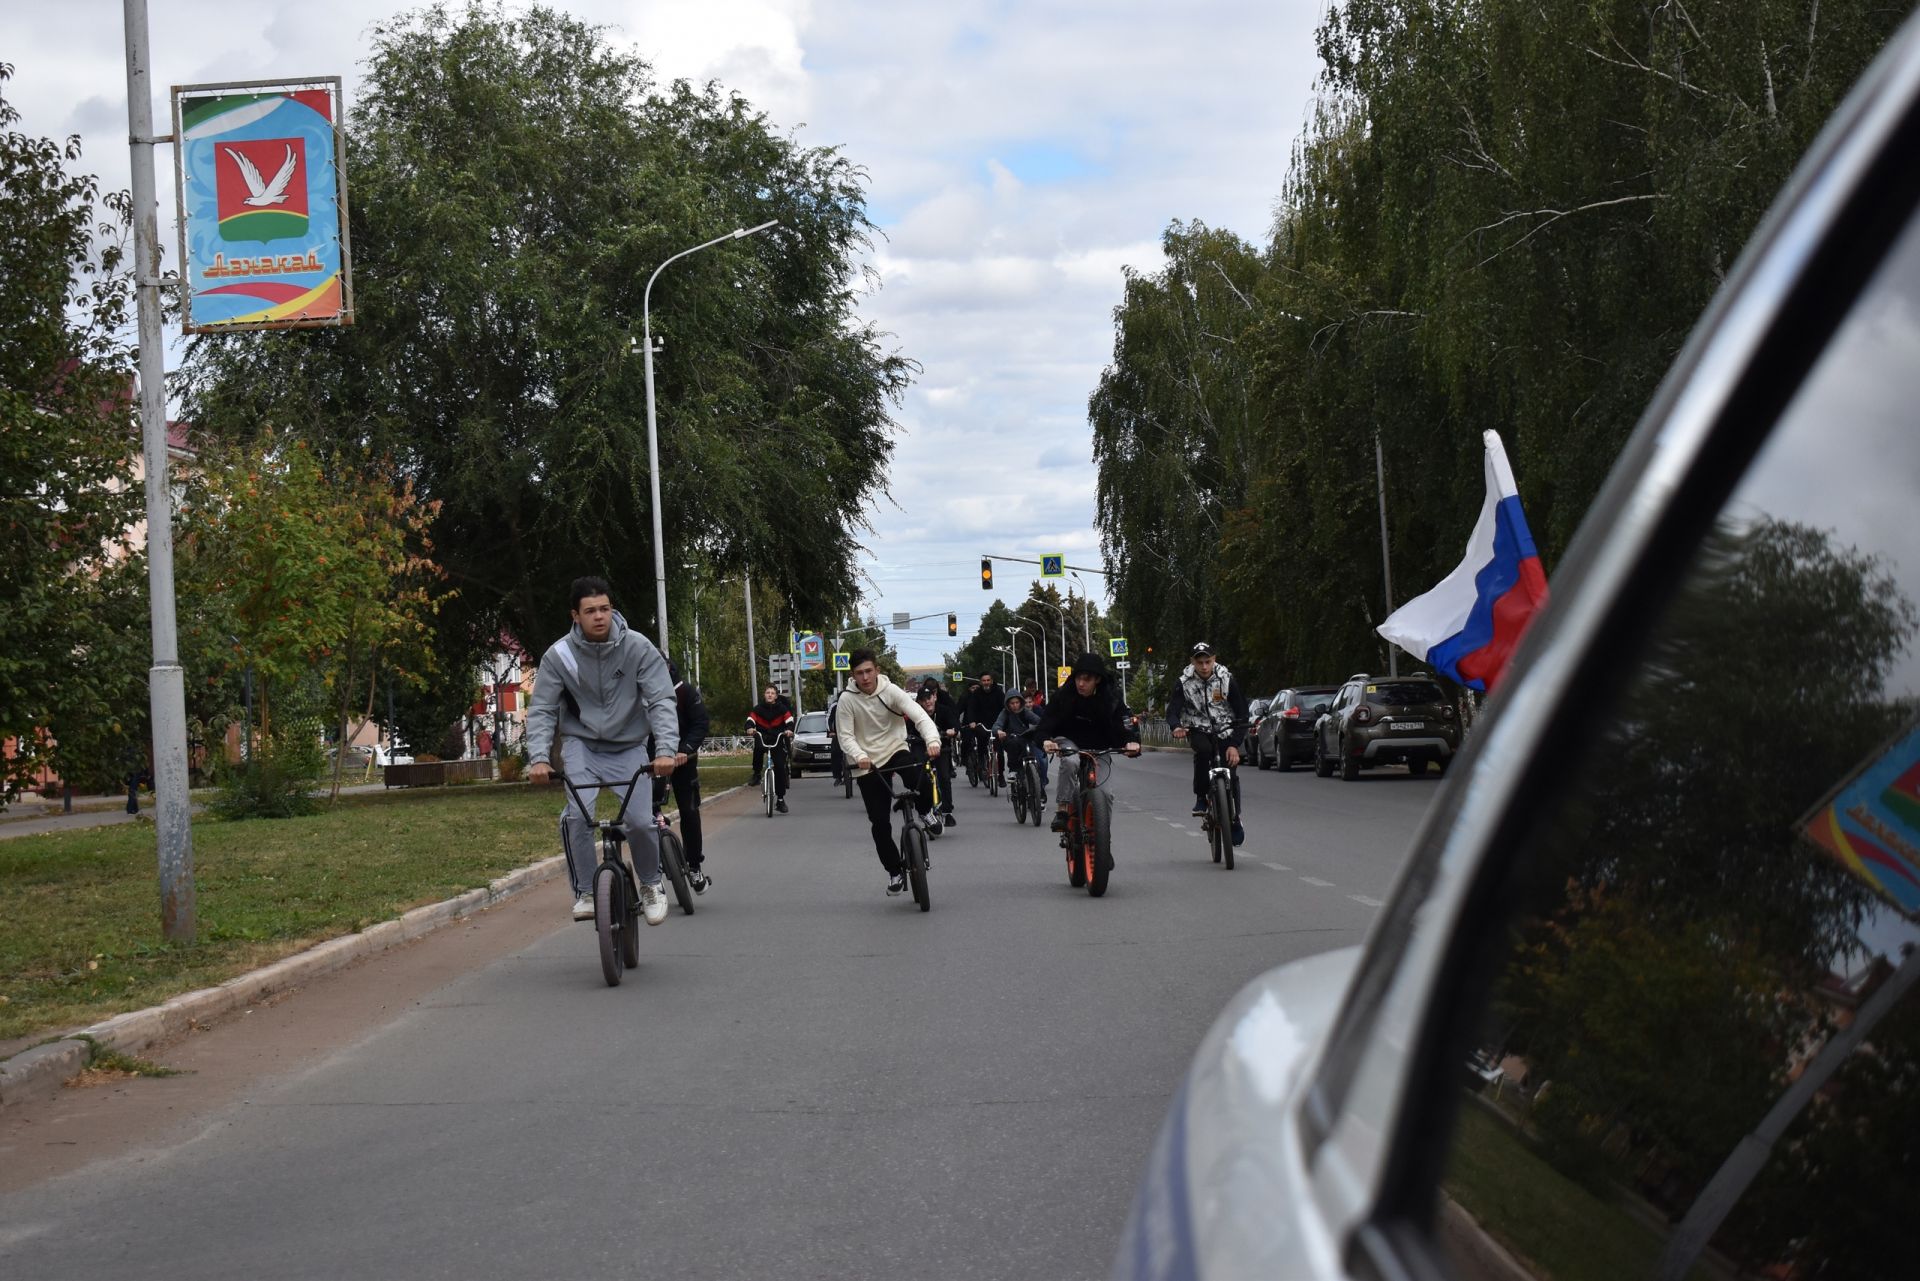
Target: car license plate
(1406,724)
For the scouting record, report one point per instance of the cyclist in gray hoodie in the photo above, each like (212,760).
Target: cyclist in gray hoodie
(607,689)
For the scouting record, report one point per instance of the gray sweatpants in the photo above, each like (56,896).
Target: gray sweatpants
(1069,795)
(586,767)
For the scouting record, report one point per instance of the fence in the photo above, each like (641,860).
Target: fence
(438,773)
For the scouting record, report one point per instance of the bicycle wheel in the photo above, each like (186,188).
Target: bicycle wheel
(630,924)
(673,861)
(1221,814)
(766,786)
(914,848)
(1036,794)
(846,779)
(973,769)
(1099,850)
(993,775)
(1076,868)
(609,916)
(1019,803)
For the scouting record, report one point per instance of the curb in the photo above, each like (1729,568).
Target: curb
(39,1073)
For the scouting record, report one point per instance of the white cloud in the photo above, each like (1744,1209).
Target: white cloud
(1020,156)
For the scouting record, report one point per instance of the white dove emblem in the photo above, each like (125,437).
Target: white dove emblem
(264,193)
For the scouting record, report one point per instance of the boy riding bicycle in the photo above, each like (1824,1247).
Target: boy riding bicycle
(1088,712)
(872,722)
(1208,706)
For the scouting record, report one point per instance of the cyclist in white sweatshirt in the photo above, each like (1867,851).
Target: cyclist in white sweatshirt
(871,724)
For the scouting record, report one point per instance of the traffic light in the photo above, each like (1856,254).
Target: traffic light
(953,624)
(986,573)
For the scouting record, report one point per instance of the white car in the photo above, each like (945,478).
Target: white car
(1639,1005)
(397,754)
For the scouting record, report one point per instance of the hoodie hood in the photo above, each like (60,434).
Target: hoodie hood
(613,637)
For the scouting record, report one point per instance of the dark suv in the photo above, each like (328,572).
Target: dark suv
(1386,720)
(1284,735)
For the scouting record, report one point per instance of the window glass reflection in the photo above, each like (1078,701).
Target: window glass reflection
(1719,901)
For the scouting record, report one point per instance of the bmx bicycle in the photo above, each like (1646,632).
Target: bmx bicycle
(616,892)
(913,829)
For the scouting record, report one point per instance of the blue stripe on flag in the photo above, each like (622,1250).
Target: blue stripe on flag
(1512,544)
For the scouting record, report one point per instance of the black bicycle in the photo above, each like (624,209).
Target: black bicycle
(913,830)
(616,893)
(1088,839)
(1028,792)
(1218,823)
(673,861)
(975,757)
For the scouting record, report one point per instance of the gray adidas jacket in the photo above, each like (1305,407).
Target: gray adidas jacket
(608,694)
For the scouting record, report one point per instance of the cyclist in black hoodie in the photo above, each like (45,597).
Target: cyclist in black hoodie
(685,779)
(1089,712)
(980,708)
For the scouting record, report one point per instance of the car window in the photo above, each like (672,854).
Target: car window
(1698,1056)
(811,723)
(1405,693)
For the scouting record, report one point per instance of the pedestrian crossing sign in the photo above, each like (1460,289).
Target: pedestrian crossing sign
(1117,647)
(842,661)
(1054,566)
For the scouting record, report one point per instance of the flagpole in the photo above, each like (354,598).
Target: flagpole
(1386,562)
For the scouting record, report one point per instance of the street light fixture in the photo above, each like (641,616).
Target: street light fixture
(653,436)
(1039,650)
(1063,626)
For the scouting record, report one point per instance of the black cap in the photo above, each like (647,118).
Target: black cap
(1202,650)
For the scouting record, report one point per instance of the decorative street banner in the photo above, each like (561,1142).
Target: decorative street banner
(1871,822)
(812,652)
(263,205)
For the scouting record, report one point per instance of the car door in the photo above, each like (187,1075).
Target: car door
(1638,1005)
(1649,924)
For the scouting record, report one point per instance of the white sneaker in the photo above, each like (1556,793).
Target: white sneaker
(653,903)
(583,908)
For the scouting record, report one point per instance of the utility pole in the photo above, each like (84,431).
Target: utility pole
(1386,563)
(166,682)
(753,659)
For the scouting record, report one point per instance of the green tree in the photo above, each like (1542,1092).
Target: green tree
(72,600)
(516,179)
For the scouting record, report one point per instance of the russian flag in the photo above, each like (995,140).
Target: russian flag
(1469,625)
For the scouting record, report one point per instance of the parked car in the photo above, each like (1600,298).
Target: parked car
(394,754)
(1386,720)
(1285,734)
(1684,936)
(1256,708)
(810,743)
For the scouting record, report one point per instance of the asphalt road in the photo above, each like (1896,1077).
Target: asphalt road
(805,1079)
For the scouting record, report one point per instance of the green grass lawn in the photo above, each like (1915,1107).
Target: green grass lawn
(80,911)
(1527,1205)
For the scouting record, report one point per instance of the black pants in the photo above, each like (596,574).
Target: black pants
(779,765)
(685,781)
(878,796)
(971,738)
(1205,748)
(943,769)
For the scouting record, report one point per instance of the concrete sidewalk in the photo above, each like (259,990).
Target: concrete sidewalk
(97,813)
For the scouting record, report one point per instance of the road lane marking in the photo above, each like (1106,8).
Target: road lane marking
(1181,826)
(1365,901)
(1278,867)
(1314,880)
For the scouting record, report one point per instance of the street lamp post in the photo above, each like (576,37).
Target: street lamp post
(1086,615)
(1003,651)
(653,435)
(1039,650)
(1063,627)
(1014,647)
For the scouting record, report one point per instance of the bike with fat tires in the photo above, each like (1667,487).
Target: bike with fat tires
(913,829)
(1088,840)
(616,891)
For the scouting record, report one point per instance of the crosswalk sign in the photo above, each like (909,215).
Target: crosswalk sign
(842,661)
(1053,566)
(1117,647)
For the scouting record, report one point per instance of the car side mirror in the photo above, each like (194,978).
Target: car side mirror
(1321,709)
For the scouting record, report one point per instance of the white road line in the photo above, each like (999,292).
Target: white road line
(1364,900)
(1314,880)
(1171,823)
(1278,867)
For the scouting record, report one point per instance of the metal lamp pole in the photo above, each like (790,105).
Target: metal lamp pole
(166,679)
(1063,627)
(1013,647)
(653,435)
(1086,616)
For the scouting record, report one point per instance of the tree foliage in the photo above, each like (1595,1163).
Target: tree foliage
(72,587)
(515,181)
(1502,214)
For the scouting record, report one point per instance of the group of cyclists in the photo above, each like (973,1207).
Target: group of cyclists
(625,709)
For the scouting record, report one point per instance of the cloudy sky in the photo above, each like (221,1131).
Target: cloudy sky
(1021,155)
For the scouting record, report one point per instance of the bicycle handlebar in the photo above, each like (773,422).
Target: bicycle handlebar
(625,799)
